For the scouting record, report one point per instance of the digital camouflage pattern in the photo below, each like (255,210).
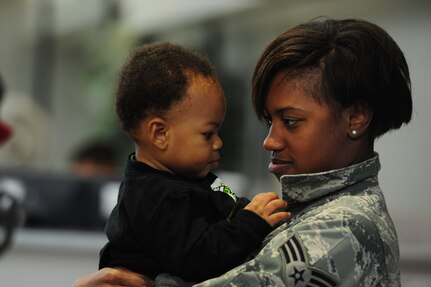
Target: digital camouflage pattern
(340,234)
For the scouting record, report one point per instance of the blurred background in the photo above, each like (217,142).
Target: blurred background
(59,60)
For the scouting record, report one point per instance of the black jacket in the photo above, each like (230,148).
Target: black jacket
(165,223)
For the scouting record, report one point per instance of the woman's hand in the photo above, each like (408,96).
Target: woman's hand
(113,277)
(268,205)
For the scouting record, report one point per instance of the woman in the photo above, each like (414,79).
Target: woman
(327,89)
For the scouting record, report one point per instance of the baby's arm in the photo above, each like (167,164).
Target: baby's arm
(268,205)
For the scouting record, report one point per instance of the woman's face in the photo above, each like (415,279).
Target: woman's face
(304,136)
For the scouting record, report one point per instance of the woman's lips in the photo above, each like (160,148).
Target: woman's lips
(279,167)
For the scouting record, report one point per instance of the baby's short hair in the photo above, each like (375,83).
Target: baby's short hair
(154,77)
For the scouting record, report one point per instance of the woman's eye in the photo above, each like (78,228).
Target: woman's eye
(290,122)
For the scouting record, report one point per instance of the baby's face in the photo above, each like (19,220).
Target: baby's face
(194,124)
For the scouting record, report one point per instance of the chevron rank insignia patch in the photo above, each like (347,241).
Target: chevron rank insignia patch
(297,272)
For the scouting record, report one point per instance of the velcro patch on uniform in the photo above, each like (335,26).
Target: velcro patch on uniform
(297,271)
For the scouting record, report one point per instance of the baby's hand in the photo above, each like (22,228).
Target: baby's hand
(266,206)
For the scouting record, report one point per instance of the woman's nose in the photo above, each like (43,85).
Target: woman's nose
(272,141)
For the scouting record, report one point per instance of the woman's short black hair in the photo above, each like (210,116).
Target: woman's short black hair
(356,61)
(154,77)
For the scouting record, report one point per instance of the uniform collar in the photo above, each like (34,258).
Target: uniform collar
(307,187)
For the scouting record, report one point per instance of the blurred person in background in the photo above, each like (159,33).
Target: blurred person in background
(5,130)
(327,89)
(11,212)
(96,159)
(31,124)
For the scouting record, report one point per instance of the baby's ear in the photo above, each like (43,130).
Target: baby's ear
(157,129)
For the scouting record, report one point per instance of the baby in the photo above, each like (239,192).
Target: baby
(173,215)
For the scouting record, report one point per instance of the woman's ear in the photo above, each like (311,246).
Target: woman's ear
(158,135)
(360,115)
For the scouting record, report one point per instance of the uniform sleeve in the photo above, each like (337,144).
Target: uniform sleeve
(192,246)
(341,249)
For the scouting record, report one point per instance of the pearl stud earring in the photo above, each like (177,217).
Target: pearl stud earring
(354,132)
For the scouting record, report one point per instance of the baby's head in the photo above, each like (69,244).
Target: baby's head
(170,102)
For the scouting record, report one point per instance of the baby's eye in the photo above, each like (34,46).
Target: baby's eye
(208,135)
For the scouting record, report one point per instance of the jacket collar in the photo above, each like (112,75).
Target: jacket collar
(306,187)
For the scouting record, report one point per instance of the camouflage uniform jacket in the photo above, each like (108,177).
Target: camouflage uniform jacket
(340,234)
